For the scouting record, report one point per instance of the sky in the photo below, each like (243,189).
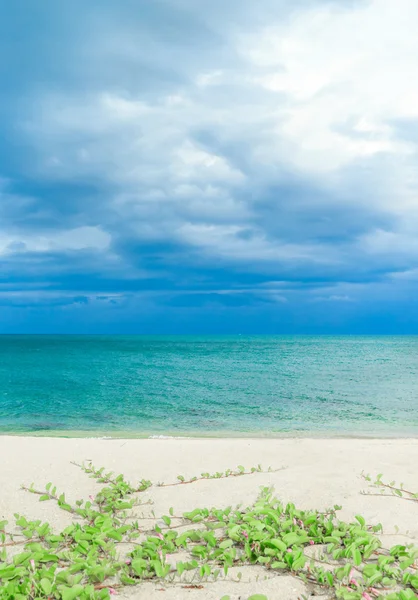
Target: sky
(194,167)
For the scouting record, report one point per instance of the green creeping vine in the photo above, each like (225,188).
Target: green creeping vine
(219,475)
(105,548)
(390,489)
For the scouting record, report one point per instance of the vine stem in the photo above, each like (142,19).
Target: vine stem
(392,487)
(224,476)
(204,479)
(25,541)
(50,496)
(382,484)
(390,496)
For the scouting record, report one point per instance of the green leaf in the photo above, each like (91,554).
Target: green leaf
(114,535)
(407,595)
(138,566)
(375,578)
(356,557)
(44,497)
(126,580)
(10,572)
(199,550)
(406,563)
(46,586)
(278,565)
(292,538)
(299,563)
(158,568)
(346,595)
(48,558)
(258,597)
(71,593)
(19,559)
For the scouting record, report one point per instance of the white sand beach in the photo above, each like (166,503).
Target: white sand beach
(314,473)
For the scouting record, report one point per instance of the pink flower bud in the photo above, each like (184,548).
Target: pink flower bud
(32,563)
(112,591)
(354,582)
(311,542)
(366,596)
(127,562)
(289,550)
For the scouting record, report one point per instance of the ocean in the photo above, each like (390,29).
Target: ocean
(221,386)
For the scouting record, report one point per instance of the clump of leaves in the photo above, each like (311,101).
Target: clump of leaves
(105,547)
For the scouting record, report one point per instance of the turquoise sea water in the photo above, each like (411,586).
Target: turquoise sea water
(134,385)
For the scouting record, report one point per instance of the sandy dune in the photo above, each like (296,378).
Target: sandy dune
(314,473)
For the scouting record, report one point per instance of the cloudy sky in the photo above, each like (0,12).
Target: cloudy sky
(181,166)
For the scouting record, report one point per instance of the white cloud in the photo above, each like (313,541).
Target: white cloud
(319,95)
(237,243)
(41,297)
(408,275)
(333,298)
(390,243)
(337,66)
(81,238)
(193,164)
(334,67)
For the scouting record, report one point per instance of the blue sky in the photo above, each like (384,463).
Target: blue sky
(183,166)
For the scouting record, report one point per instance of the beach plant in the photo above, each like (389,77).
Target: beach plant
(390,489)
(238,472)
(108,546)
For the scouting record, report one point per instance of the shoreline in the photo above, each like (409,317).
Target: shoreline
(212,435)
